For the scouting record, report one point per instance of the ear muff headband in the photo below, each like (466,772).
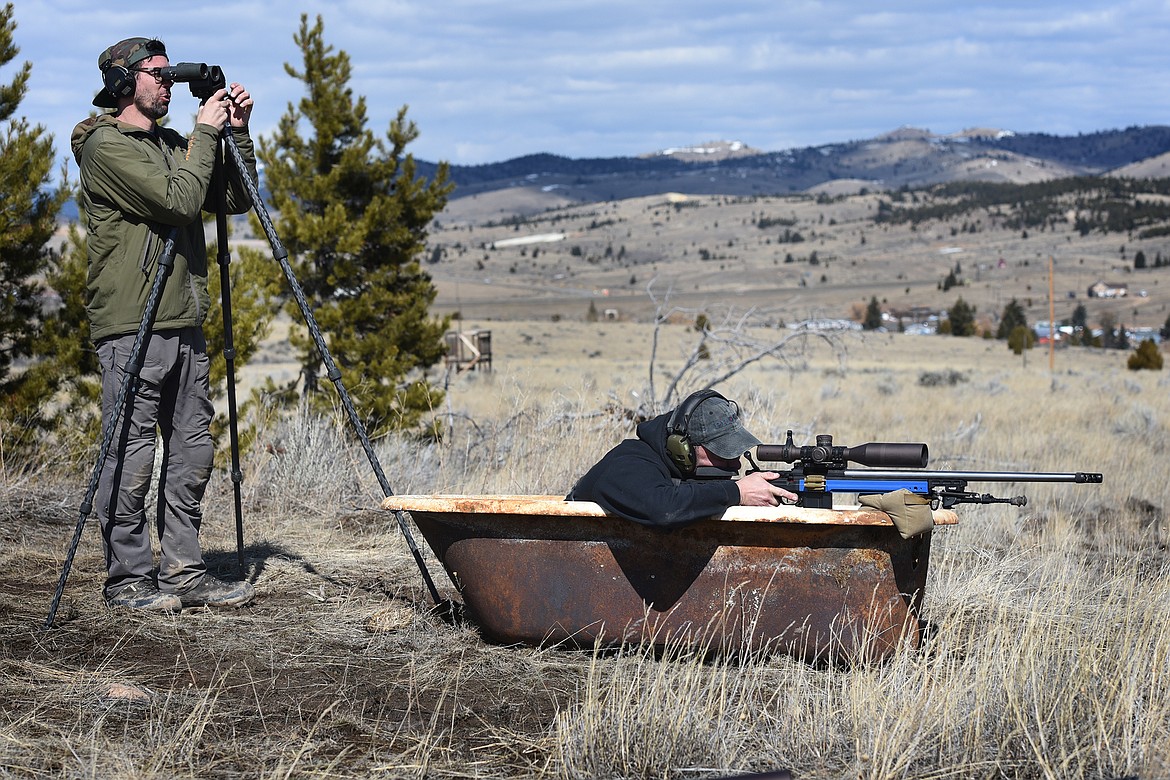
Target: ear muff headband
(678,445)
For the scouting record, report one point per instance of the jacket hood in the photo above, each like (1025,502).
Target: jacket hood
(653,432)
(83,130)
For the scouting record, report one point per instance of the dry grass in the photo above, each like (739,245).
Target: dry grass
(1049,658)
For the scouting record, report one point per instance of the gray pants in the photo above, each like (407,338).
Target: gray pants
(171,398)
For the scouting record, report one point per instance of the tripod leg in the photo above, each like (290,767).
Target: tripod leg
(219,182)
(281,256)
(133,369)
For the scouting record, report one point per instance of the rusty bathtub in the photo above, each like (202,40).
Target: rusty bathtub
(837,584)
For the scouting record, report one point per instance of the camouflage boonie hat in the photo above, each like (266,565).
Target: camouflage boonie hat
(126,54)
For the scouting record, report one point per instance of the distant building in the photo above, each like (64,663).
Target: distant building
(1107,290)
(915,314)
(824,324)
(1045,333)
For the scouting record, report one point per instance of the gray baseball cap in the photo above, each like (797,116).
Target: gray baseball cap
(715,424)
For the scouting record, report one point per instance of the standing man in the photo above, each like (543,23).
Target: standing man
(651,479)
(140,183)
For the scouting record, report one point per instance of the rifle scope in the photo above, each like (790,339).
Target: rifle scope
(823,453)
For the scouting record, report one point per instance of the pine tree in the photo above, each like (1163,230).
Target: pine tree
(873,315)
(1080,317)
(962,319)
(254,286)
(27,221)
(1013,317)
(1146,356)
(1022,337)
(66,362)
(254,295)
(1108,325)
(353,214)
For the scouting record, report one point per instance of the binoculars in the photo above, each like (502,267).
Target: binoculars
(203,79)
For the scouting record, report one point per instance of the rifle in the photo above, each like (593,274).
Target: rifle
(821,470)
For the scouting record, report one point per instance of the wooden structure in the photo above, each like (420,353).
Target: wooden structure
(469,350)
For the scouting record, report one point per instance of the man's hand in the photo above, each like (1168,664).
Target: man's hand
(214,110)
(233,104)
(240,110)
(756,490)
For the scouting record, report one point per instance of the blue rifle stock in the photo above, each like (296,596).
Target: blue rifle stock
(822,469)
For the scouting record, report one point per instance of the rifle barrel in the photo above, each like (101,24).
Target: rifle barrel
(1080,477)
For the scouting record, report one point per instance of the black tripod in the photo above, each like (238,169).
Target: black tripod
(334,374)
(133,368)
(137,356)
(125,395)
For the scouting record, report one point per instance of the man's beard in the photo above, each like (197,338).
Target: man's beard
(152,107)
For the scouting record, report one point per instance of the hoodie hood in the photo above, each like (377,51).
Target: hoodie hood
(83,130)
(653,432)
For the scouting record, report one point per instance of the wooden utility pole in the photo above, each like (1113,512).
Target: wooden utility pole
(1051,321)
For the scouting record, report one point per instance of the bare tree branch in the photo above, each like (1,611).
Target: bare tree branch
(721,351)
(774,349)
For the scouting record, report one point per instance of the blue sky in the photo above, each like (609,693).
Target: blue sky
(488,81)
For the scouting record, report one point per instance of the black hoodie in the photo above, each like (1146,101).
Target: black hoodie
(638,481)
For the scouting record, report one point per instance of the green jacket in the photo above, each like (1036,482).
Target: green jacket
(135,186)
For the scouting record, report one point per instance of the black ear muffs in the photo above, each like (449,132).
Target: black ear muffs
(678,444)
(119,81)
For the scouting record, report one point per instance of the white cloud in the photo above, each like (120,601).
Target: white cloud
(489,81)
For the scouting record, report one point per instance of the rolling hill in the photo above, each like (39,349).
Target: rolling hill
(904,158)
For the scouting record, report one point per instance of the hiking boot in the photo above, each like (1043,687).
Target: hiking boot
(145,596)
(212,592)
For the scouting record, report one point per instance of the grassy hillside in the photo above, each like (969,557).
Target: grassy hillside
(788,259)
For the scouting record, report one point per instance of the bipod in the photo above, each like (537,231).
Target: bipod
(224,258)
(133,369)
(281,256)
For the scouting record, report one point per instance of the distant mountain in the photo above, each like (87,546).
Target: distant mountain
(907,157)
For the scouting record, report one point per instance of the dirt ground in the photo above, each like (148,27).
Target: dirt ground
(341,662)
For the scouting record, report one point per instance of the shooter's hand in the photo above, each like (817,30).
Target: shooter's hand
(756,490)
